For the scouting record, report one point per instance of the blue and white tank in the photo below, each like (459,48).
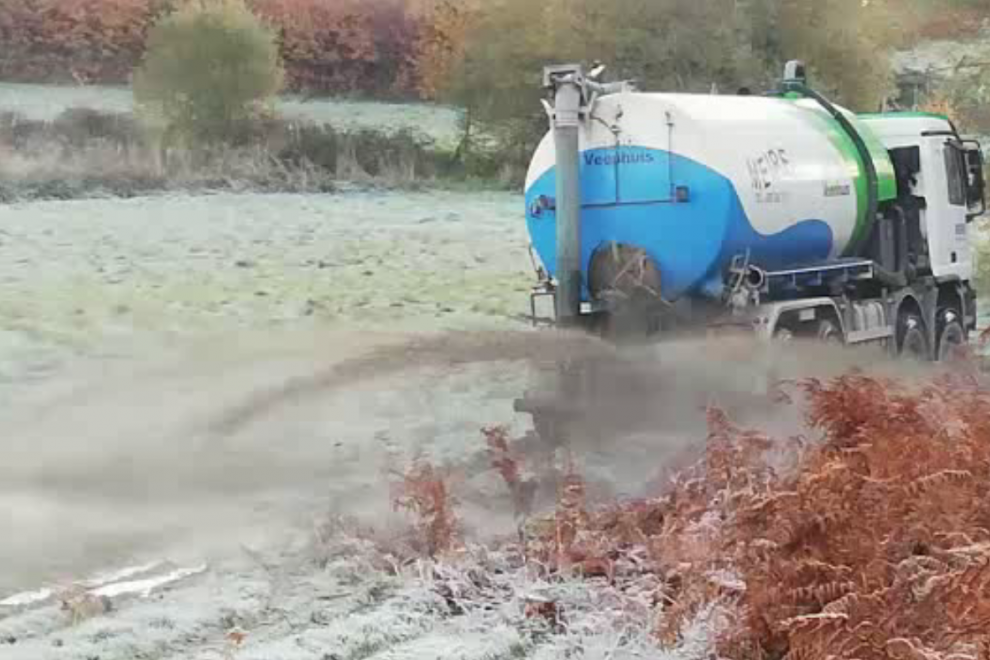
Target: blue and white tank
(698,179)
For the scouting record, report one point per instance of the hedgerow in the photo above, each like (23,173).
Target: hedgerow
(341,46)
(85,41)
(464,49)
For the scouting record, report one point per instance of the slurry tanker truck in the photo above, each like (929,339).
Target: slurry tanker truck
(653,213)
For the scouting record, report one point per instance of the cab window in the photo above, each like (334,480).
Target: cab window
(955,172)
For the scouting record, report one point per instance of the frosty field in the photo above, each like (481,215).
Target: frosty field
(139,282)
(133,330)
(205,402)
(133,321)
(46,102)
(194,389)
(74,271)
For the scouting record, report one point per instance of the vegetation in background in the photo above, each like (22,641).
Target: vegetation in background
(981,258)
(947,19)
(845,44)
(84,152)
(441,41)
(74,41)
(346,46)
(966,94)
(486,57)
(211,68)
(338,47)
(682,45)
(407,48)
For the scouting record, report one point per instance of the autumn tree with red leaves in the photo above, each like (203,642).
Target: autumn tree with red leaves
(74,41)
(441,43)
(345,46)
(340,47)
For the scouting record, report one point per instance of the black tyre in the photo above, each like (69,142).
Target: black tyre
(913,343)
(783,334)
(830,333)
(951,341)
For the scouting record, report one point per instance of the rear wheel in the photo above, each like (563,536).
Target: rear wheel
(829,332)
(783,334)
(913,344)
(951,341)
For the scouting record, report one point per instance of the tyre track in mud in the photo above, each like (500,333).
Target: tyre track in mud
(447,351)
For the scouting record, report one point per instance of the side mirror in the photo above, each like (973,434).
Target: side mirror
(975,183)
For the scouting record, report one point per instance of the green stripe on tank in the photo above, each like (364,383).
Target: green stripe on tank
(903,114)
(886,181)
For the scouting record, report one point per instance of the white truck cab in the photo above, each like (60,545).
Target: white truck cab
(944,175)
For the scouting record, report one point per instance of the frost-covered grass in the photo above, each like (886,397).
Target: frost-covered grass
(76,274)
(193,262)
(351,609)
(46,102)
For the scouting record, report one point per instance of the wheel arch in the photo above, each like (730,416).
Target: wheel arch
(951,297)
(909,304)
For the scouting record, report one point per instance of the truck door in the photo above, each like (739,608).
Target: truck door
(948,211)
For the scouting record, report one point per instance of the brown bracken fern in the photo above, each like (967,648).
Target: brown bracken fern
(869,539)
(873,542)
(425,493)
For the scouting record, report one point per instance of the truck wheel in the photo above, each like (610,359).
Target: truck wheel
(913,342)
(951,340)
(829,333)
(783,334)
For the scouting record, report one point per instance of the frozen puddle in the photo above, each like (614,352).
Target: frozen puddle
(126,613)
(139,581)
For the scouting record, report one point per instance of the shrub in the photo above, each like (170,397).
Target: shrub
(209,70)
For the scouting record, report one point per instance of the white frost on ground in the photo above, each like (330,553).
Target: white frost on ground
(83,271)
(939,56)
(127,326)
(46,102)
(138,320)
(27,598)
(300,604)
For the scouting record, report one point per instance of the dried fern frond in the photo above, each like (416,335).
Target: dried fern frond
(919,486)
